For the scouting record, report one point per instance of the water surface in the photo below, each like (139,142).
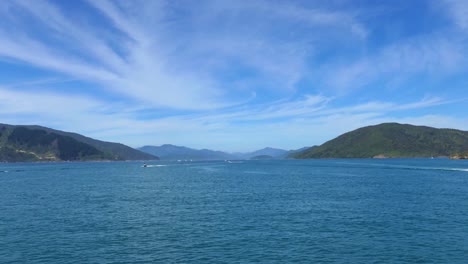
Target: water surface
(292,211)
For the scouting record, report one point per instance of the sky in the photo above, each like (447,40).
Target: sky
(232,75)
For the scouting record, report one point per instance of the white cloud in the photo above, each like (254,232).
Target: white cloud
(30,51)
(141,74)
(162,64)
(69,32)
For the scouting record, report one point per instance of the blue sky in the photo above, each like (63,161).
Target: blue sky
(232,75)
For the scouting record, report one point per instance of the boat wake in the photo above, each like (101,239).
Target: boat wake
(153,166)
(428,168)
(230,161)
(456,169)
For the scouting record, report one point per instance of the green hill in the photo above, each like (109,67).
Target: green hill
(117,151)
(392,140)
(35,143)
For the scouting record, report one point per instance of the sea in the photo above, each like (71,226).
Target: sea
(272,211)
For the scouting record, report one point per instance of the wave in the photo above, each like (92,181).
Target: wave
(404,167)
(456,169)
(153,166)
(426,168)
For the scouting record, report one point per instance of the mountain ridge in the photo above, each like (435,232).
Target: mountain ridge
(174,152)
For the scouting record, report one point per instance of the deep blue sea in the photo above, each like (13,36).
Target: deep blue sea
(291,211)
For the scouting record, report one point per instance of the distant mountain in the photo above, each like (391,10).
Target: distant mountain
(36,143)
(172,152)
(290,154)
(393,140)
(262,157)
(272,152)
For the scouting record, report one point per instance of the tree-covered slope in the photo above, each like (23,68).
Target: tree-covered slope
(392,140)
(24,144)
(115,151)
(33,143)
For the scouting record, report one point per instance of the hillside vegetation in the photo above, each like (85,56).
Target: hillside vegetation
(392,140)
(34,143)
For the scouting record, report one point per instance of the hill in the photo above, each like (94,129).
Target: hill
(172,152)
(392,140)
(36,143)
(117,150)
(291,153)
(272,152)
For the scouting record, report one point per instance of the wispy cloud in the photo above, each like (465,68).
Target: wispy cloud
(141,74)
(33,52)
(145,59)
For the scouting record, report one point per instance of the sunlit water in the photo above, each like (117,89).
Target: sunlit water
(293,211)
